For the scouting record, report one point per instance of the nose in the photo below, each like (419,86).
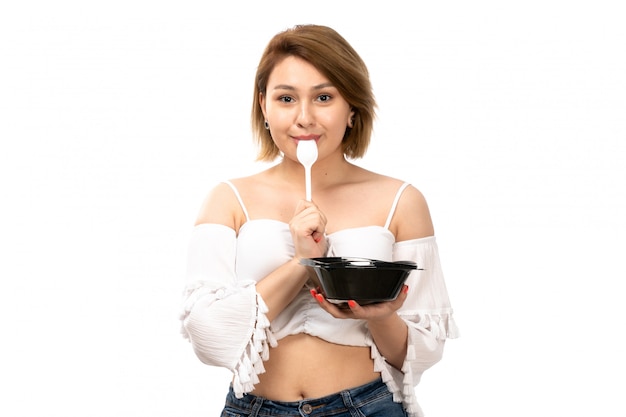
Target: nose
(305,115)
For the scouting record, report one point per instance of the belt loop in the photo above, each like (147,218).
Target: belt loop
(347,401)
(257,403)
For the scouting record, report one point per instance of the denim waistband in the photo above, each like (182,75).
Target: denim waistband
(366,395)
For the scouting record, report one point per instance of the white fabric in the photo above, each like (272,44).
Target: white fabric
(224,317)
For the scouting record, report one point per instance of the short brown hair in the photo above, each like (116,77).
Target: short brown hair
(335,58)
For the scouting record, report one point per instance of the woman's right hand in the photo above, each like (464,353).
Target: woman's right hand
(308,231)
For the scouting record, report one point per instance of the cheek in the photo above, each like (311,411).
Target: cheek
(278,118)
(336,124)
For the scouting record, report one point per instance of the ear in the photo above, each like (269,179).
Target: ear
(262,103)
(351,118)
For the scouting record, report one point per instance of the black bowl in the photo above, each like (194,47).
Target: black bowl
(363,280)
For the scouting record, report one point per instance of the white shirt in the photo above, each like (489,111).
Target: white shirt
(224,317)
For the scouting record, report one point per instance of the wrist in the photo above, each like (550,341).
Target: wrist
(386,322)
(297,267)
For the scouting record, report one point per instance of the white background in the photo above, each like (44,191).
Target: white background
(117,117)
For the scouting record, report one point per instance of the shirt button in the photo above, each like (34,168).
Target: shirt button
(306,408)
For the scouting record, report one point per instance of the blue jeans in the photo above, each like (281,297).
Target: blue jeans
(370,400)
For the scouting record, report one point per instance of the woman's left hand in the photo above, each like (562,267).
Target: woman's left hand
(377,311)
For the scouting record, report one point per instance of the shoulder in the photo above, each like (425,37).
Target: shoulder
(412,197)
(411,201)
(389,186)
(412,218)
(220,206)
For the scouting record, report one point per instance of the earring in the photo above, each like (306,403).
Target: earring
(267,125)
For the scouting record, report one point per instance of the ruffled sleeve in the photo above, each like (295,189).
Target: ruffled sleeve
(428,314)
(223,318)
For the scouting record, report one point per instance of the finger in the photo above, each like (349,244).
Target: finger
(318,296)
(309,222)
(330,308)
(303,205)
(317,236)
(404,293)
(400,299)
(354,306)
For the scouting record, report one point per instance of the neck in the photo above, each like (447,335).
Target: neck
(324,173)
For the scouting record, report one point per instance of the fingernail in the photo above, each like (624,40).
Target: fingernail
(319,297)
(406,289)
(313,292)
(351,303)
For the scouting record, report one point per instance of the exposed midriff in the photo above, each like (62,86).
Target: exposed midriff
(304,366)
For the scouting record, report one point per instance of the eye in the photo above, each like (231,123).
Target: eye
(324,97)
(285,99)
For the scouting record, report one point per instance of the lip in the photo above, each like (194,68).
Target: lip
(307,137)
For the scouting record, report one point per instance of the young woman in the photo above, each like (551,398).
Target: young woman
(249,303)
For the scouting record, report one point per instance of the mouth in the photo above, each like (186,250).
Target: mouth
(307,137)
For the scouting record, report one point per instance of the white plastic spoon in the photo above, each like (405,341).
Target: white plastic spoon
(307,155)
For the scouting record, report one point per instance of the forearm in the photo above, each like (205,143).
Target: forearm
(280,287)
(390,335)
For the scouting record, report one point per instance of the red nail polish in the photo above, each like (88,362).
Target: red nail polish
(351,303)
(406,289)
(319,297)
(313,292)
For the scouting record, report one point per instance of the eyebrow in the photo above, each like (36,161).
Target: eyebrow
(291,88)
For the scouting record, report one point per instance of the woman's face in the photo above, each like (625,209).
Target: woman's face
(301,104)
